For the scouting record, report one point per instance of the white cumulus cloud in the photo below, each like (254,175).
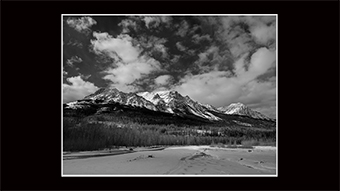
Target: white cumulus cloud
(123,75)
(129,65)
(78,89)
(72,60)
(82,24)
(127,24)
(155,21)
(163,80)
(120,46)
(221,88)
(197,38)
(183,29)
(264,33)
(180,47)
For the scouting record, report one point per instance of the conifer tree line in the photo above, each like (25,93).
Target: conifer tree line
(107,131)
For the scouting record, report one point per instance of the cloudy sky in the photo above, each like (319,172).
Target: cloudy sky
(214,59)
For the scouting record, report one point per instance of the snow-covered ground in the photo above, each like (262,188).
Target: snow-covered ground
(191,147)
(179,160)
(264,147)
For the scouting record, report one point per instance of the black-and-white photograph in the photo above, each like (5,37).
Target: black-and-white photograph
(169,95)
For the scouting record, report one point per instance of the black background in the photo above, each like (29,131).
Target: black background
(308,99)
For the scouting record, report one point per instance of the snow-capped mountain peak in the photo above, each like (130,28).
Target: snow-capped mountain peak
(112,94)
(156,97)
(241,109)
(104,93)
(165,95)
(237,104)
(171,100)
(168,101)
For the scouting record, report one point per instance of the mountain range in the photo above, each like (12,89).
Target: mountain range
(166,101)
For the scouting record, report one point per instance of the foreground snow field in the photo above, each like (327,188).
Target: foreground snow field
(186,160)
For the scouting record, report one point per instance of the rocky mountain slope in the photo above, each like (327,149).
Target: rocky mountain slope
(168,101)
